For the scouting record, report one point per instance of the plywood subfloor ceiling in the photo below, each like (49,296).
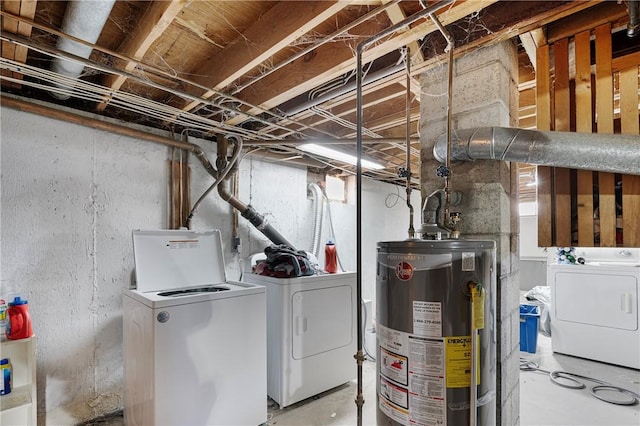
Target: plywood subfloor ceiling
(274,72)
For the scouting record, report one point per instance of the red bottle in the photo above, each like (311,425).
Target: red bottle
(19,320)
(330,258)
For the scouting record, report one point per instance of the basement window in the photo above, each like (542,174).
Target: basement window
(335,188)
(528,208)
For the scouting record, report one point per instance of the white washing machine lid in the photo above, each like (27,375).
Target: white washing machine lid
(174,259)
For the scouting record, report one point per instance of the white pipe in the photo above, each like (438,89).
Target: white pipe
(318,204)
(83,19)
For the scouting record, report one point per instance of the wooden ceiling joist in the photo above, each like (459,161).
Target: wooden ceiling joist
(24,8)
(152,25)
(333,60)
(279,27)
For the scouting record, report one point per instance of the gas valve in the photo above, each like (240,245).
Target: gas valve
(403,172)
(443,171)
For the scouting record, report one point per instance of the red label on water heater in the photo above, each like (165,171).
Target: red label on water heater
(404,271)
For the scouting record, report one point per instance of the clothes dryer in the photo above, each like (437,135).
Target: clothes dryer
(594,311)
(311,334)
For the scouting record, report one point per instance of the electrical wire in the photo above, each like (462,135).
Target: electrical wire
(570,380)
(391,204)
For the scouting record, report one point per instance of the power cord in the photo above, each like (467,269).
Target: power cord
(570,380)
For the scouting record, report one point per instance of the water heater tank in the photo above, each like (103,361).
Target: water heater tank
(435,308)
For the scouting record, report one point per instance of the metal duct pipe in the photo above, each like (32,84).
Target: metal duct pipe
(633,27)
(349,87)
(248,212)
(588,151)
(83,19)
(433,222)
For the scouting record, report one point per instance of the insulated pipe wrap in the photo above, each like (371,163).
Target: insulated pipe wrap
(588,151)
(84,19)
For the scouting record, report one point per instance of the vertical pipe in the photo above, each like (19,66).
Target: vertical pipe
(473,386)
(447,177)
(359,355)
(633,27)
(412,232)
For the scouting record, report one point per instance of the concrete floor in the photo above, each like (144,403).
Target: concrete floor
(541,401)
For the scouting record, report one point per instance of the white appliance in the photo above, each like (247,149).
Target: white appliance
(194,344)
(311,334)
(594,307)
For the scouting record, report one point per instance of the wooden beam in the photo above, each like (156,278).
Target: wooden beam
(629,101)
(543,88)
(561,86)
(594,16)
(279,27)
(624,62)
(23,8)
(396,14)
(607,209)
(631,210)
(630,184)
(584,116)
(531,40)
(333,60)
(562,213)
(604,79)
(585,208)
(152,25)
(584,121)
(545,237)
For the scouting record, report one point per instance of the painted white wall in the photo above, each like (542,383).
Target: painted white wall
(533,259)
(70,197)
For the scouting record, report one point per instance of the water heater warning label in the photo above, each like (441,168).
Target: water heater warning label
(393,366)
(468,261)
(427,318)
(458,362)
(412,374)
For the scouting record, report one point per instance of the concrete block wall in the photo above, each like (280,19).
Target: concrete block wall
(70,197)
(484,94)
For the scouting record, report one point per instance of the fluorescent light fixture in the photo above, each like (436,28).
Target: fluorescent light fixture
(339,155)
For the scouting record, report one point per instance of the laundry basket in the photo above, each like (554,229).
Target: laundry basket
(529,318)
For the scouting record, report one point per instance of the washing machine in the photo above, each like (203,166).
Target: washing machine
(194,344)
(594,311)
(311,334)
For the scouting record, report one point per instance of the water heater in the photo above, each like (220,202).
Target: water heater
(436,334)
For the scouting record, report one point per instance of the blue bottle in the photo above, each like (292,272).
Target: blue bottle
(5,383)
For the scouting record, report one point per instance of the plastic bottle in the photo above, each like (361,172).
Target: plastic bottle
(3,320)
(19,319)
(330,258)
(5,376)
